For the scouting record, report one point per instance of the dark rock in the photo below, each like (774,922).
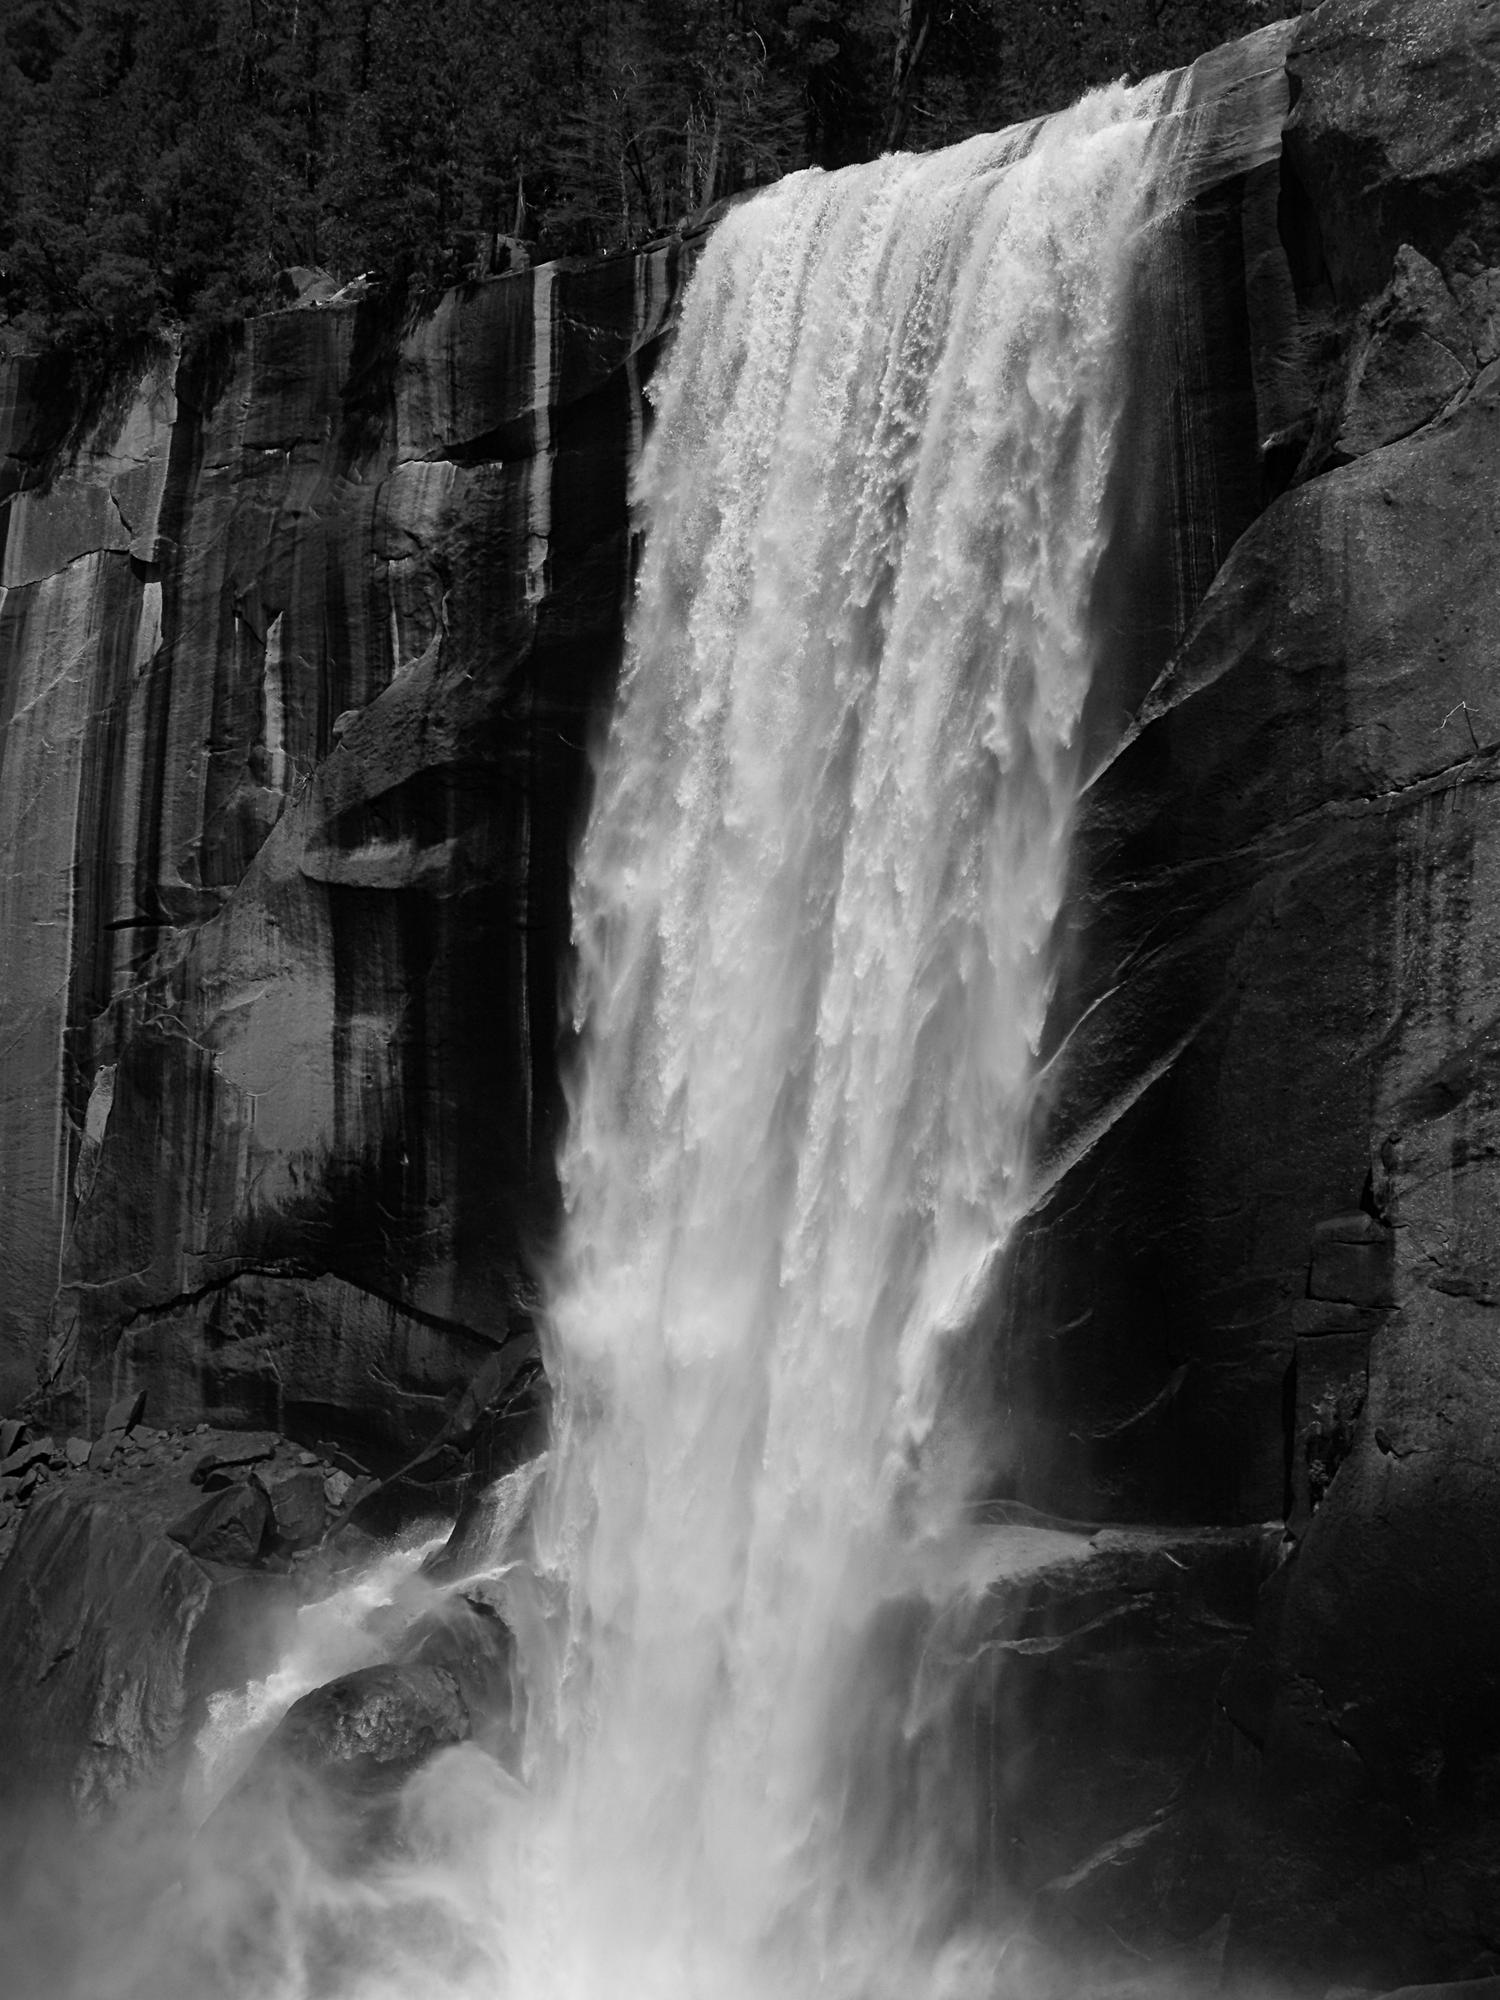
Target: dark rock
(333,1768)
(233,1527)
(299,1507)
(369,1730)
(231,1455)
(1311,1317)
(1411,358)
(393,898)
(125,1412)
(1331,1376)
(1356,1274)
(111,1636)
(1396,132)
(468,1639)
(1081,1699)
(1358,1227)
(25,1456)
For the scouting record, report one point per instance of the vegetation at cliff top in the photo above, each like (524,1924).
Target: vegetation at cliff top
(164,161)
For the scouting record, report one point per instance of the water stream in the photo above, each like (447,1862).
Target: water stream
(813,912)
(814,909)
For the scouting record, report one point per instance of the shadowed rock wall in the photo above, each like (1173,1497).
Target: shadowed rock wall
(302,649)
(1261,1276)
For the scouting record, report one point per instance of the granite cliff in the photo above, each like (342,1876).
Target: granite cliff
(304,645)
(304,638)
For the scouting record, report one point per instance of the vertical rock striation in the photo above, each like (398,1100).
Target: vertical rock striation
(1261,1281)
(302,647)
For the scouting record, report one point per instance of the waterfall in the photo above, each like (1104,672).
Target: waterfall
(813,913)
(815,908)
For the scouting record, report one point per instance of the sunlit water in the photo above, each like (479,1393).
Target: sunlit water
(814,908)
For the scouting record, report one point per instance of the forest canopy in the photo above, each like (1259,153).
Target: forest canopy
(163,161)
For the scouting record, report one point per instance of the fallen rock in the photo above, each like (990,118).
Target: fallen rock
(125,1412)
(369,1730)
(233,1455)
(110,1637)
(232,1527)
(299,1508)
(467,1638)
(76,1451)
(26,1456)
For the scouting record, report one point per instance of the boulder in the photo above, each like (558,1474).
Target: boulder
(111,1637)
(232,1527)
(38,1452)
(231,1456)
(369,1730)
(299,1505)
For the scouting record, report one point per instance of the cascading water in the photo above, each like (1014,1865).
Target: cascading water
(814,910)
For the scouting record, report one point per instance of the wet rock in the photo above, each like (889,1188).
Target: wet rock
(369,1730)
(299,1507)
(333,1769)
(1080,1697)
(467,1638)
(110,1635)
(232,1527)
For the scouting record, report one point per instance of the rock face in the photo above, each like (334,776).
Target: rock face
(302,647)
(1261,1276)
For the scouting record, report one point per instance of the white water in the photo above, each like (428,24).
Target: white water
(813,912)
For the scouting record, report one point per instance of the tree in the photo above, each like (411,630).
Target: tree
(162,160)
